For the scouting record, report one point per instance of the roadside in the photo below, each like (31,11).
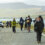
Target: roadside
(7,37)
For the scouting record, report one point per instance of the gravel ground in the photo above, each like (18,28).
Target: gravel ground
(7,37)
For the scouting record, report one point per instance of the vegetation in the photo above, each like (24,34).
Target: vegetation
(32,27)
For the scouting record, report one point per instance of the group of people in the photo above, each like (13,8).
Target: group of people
(38,25)
(8,24)
(27,21)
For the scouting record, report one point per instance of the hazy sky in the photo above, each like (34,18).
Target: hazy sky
(30,2)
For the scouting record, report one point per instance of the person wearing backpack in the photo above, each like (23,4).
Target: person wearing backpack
(26,23)
(21,23)
(29,20)
(14,25)
(38,28)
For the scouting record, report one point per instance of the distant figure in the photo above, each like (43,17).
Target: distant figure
(14,25)
(29,20)
(7,24)
(26,23)
(10,23)
(21,23)
(38,27)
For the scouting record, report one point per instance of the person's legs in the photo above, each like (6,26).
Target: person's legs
(40,34)
(21,27)
(14,29)
(28,27)
(38,37)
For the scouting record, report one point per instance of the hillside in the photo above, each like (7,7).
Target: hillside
(20,10)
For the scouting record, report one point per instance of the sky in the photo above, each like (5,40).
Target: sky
(29,2)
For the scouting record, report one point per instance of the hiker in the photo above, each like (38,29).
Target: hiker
(14,25)
(7,24)
(26,23)
(38,28)
(21,23)
(29,20)
(10,23)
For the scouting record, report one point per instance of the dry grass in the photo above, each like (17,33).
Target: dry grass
(32,27)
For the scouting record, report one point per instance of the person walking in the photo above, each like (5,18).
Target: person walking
(10,23)
(7,24)
(26,23)
(21,23)
(29,20)
(38,27)
(14,25)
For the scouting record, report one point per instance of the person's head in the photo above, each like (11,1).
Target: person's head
(40,16)
(38,19)
(28,16)
(21,18)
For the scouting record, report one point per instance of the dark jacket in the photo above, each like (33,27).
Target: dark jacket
(21,21)
(39,26)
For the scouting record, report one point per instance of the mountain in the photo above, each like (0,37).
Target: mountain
(19,6)
(20,10)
